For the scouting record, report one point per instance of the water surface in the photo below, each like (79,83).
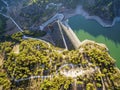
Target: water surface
(92,30)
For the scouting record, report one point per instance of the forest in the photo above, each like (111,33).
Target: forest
(32,64)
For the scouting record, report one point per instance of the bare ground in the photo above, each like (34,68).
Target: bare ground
(1,61)
(16,49)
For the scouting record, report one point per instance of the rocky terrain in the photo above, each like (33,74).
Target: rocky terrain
(31,13)
(106,9)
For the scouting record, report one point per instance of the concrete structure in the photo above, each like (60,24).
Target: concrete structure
(71,35)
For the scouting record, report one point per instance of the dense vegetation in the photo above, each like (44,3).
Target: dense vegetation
(68,3)
(21,59)
(33,64)
(36,33)
(31,13)
(106,9)
(36,11)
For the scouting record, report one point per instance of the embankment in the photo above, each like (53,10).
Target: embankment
(80,11)
(71,35)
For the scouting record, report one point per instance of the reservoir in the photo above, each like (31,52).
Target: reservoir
(92,30)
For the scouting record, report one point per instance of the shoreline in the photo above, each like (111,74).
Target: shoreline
(80,11)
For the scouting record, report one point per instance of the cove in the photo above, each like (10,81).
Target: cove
(92,30)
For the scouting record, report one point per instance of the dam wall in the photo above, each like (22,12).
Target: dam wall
(71,35)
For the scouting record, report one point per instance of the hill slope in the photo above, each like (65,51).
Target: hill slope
(41,66)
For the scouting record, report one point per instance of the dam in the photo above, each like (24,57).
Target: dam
(60,33)
(92,30)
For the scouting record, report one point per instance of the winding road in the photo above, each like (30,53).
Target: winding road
(10,17)
(5,2)
(26,37)
(58,18)
(69,73)
(54,18)
(43,77)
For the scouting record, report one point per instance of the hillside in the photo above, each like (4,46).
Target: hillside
(27,62)
(106,9)
(29,14)
(33,64)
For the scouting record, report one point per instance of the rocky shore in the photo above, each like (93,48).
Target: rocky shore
(80,11)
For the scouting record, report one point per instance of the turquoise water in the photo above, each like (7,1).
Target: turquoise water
(92,30)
